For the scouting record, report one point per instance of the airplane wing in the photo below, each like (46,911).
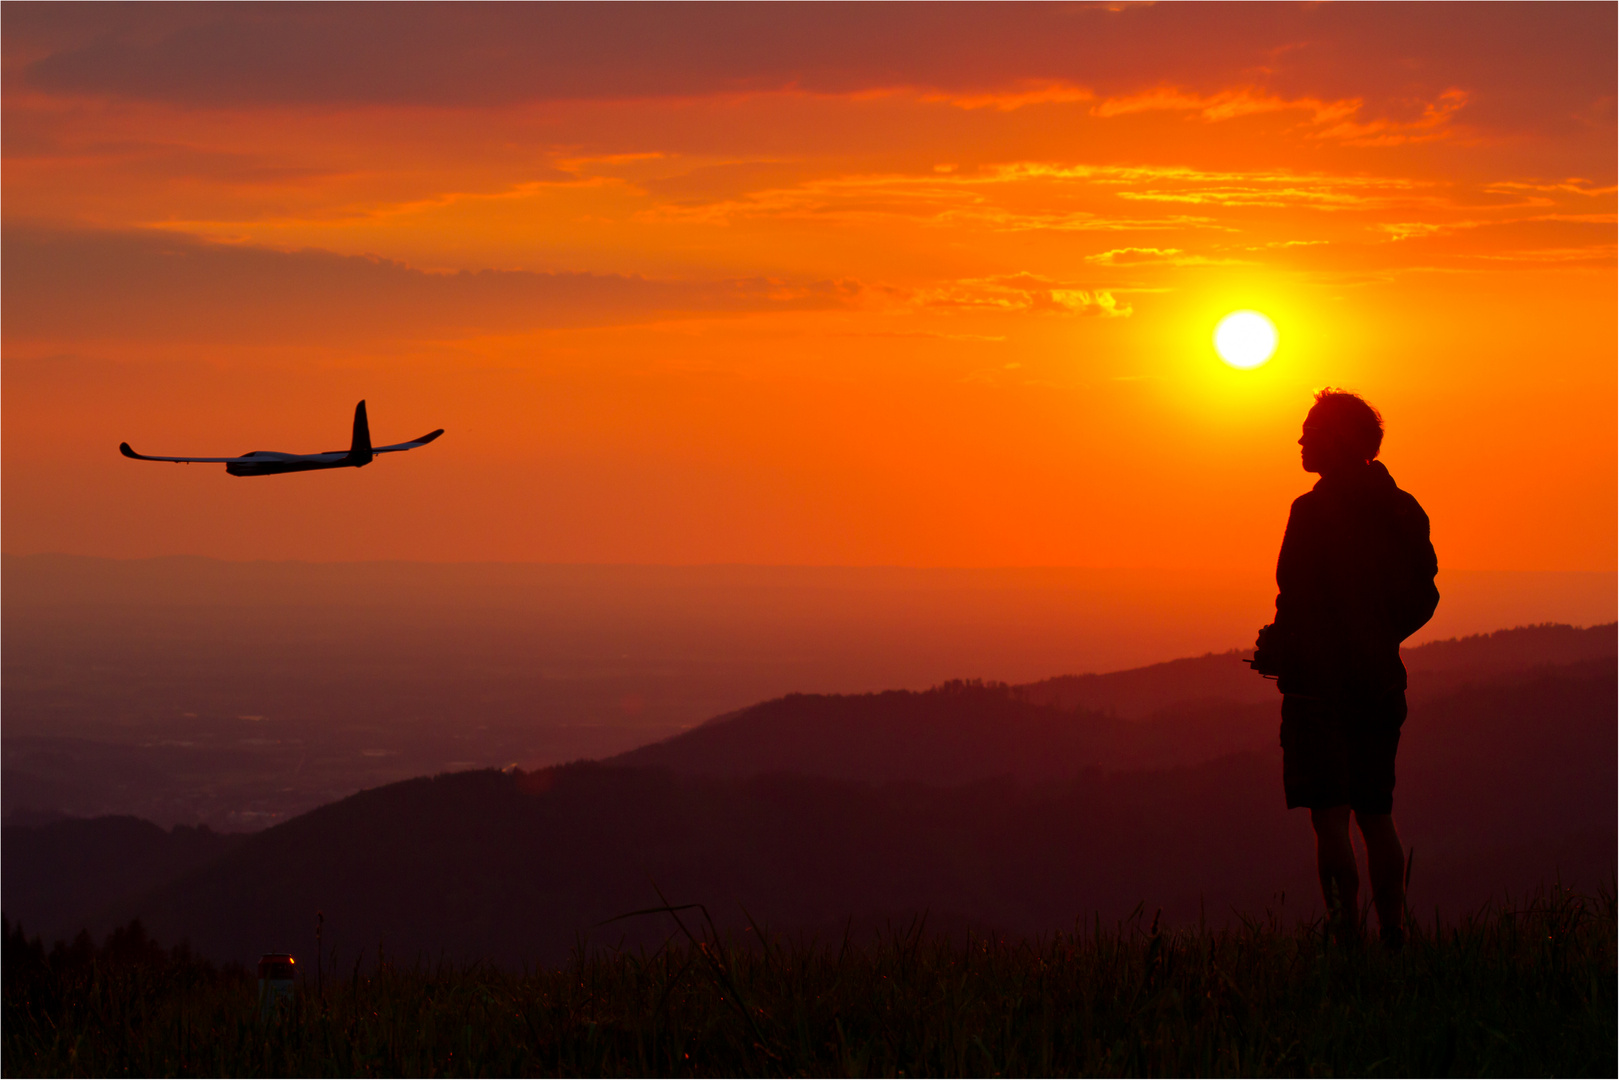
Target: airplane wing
(123,448)
(413,444)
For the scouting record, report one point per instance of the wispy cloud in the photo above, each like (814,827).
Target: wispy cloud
(1018,97)
(1009,196)
(86,284)
(1003,219)
(1406,230)
(1333,120)
(1226,104)
(1594,255)
(1213,63)
(1574,185)
(1433,123)
(1022,293)
(1153,256)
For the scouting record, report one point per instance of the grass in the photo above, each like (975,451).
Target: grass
(1526,990)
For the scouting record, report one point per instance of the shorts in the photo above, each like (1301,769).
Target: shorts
(1341,752)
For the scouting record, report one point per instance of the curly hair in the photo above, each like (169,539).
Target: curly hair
(1354,424)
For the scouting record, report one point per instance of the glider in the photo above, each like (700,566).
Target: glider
(265,462)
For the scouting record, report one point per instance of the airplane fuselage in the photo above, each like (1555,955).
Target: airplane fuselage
(267,462)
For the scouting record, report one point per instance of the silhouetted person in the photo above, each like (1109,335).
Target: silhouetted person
(1355,578)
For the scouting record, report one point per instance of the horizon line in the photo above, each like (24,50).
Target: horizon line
(742,565)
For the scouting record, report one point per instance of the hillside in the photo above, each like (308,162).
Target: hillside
(969,802)
(1503,786)
(1179,713)
(953,734)
(57,874)
(1434,667)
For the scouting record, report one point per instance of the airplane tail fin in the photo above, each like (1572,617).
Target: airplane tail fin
(360,448)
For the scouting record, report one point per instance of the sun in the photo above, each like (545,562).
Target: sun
(1245,339)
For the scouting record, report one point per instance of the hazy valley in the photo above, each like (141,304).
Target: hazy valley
(237,695)
(1017,809)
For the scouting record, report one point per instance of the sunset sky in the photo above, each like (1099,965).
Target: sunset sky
(908,285)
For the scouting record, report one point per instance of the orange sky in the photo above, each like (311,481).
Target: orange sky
(803,284)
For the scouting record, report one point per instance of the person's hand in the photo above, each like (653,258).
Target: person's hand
(1266,660)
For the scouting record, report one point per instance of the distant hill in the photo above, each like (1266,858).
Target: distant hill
(1437,666)
(1511,650)
(58,874)
(1138,693)
(1184,712)
(1503,785)
(953,734)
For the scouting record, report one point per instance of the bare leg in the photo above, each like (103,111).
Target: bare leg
(1335,863)
(1385,865)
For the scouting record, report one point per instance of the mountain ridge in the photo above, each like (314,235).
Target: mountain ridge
(1506,782)
(1179,712)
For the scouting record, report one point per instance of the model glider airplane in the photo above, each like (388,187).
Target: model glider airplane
(265,462)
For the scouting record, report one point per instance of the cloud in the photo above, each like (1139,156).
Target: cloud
(1524,67)
(720,181)
(1574,185)
(1225,187)
(72,284)
(1008,196)
(1334,119)
(1584,232)
(1281,191)
(1433,123)
(1142,256)
(1597,255)
(1019,97)
(1073,221)
(1406,230)
(1021,293)
(1250,196)
(1225,105)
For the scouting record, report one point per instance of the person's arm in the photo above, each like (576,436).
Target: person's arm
(1291,564)
(1271,649)
(1422,595)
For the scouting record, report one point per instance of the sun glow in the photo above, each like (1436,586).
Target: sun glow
(1245,339)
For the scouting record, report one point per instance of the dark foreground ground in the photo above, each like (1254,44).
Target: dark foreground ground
(1525,990)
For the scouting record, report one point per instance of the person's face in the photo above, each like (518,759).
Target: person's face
(1319,450)
(1311,450)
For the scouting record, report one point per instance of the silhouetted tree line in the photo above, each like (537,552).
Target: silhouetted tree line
(44,982)
(975,687)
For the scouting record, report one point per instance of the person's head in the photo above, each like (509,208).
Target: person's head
(1340,430)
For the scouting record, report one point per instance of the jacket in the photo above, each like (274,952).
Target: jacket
(1355,578)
